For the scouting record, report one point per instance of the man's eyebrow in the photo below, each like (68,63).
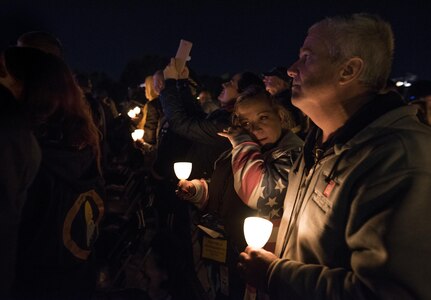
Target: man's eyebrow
(304,49)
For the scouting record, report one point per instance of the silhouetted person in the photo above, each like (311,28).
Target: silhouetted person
(19,162)
(65,203)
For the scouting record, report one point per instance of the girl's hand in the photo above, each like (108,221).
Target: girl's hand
(231,133)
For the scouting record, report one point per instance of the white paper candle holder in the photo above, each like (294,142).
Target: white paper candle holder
(257,231)
(183,169)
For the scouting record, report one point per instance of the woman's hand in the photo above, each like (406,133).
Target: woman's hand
(170,72)
(184,74)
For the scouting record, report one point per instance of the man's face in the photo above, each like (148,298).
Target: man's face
(274,84)
(314,74)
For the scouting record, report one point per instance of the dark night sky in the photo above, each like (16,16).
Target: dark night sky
(227,37)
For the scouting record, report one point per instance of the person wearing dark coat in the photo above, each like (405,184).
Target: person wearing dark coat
(60,218)
(19,161)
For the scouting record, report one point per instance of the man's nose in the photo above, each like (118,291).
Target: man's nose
(291,72)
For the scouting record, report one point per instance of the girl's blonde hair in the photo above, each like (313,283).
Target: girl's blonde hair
(257,93)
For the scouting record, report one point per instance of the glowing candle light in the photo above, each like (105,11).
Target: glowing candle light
(257,231)
(183,169)
(138,134)
(137,110)
(131,113)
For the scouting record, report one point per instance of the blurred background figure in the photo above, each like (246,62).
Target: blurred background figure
(19,162)
(97,110)
(420,95)
(278,84)
(152,111)
(65,201)
(42,40)
(206,101)
(50,44)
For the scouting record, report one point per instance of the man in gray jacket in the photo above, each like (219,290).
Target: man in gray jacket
(356,222)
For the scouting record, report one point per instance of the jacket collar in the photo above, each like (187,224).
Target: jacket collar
(370,112)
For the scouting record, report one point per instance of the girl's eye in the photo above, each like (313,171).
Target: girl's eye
(263,118)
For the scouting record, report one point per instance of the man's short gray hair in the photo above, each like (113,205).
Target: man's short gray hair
(365,36)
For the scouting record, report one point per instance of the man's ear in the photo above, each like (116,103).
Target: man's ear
(351,70)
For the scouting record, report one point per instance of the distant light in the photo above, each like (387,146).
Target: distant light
(131,113)
(138,134)
(142,85)
(407,84)
(137,110)
(399,83)
(198,97)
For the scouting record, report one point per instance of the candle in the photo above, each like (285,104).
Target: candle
(183,169)
(138,134)
(137,110)
(131,113)
(257,231)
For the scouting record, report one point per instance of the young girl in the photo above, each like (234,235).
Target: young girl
(250,179)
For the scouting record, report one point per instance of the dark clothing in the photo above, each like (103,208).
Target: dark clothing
(171,148)
(154,116)
(186,118)
(19,161)
(97,112)
(356,214)
(60,225)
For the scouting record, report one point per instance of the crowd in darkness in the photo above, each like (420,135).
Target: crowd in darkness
(328,149)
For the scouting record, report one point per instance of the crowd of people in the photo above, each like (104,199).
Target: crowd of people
(325,149)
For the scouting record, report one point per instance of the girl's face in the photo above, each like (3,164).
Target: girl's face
(230,90)
(260,119)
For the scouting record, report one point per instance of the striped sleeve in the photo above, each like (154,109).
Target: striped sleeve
(261,182)
(200,199)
